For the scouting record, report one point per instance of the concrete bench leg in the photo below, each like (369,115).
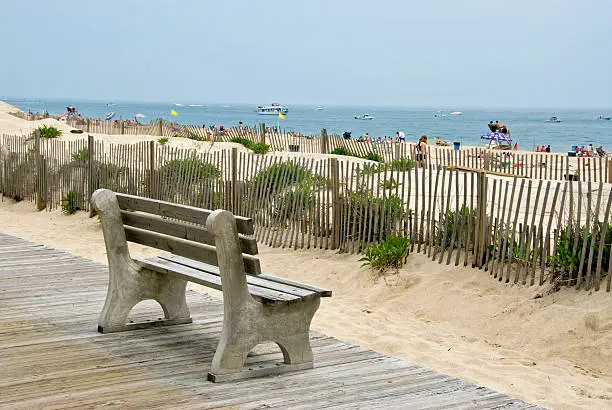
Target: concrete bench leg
(138,285)
(128,282)
(247,322)
(243,329)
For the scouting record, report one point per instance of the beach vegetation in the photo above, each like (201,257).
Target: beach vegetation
(162,140)
(48,132)
(373,156)
(401,164)
(241,140)
(69,206)
(280,176)
(256,147)
(260,148)
(181,172)
(391,253)
(81,155)
(372,218)
(391,183)
(342,151)
(461,219)
(570,244)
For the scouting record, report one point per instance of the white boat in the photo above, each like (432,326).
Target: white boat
(273,109)
(364,117)
(553,119)
(456,113)
(601,117)
(319,108)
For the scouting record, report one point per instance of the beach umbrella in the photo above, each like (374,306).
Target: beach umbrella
(497,136)
(110,115)
(139,115)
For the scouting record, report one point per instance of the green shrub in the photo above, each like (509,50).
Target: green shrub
(402,164)
(191,170)
(81,155)
(372,156)
(568,238)
(372,218)
(390,183)
(162,140)
(444,227)
(69,204)
(48,132)
(390,253)
(241,140)
(372,168)
(280,176)
(260,148)
(340,151)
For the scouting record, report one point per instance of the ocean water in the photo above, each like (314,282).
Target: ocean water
(528,127)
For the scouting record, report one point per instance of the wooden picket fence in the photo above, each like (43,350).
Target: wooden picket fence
(528,164)
(519,230)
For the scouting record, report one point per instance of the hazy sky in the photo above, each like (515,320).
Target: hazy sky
(470,53)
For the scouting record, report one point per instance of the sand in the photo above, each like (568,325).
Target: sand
(554,349)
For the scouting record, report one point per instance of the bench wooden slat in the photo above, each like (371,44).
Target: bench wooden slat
(297,289)
(322,292)
(211,280)
(181,230)
(176,211)
(191,250)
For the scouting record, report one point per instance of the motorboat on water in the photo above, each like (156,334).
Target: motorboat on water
(364,116)
(456,113)
(553,119)
(602,117)
(272,109)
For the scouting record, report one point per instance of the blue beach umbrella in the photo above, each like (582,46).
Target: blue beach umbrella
(497,136)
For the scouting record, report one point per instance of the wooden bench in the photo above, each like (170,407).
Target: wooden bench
(211,248)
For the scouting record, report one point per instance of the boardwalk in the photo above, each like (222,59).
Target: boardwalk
(51,355)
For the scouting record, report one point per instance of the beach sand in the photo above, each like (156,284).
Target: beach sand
(553,349)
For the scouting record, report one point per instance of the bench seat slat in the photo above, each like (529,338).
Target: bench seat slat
(181,230)
(273,281)
(212,280)
(192,250)
(322,292)
(176,211)
(295,289)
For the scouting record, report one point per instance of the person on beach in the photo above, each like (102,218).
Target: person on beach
(492,126)
(548,148)
(401,136)
(421,150)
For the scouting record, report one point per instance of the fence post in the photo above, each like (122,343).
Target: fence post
(487,160)
(234,177)
(609,181)
(262,133)
(41,188)
(324,142)
(122,127)
(90,172)
(87,124)
(160,129)
(482,232)
(336,212)
(398,151)
(152,179)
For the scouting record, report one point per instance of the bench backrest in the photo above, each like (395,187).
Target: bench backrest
(180,229)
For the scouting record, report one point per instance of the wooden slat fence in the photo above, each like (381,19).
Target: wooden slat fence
(518,229)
